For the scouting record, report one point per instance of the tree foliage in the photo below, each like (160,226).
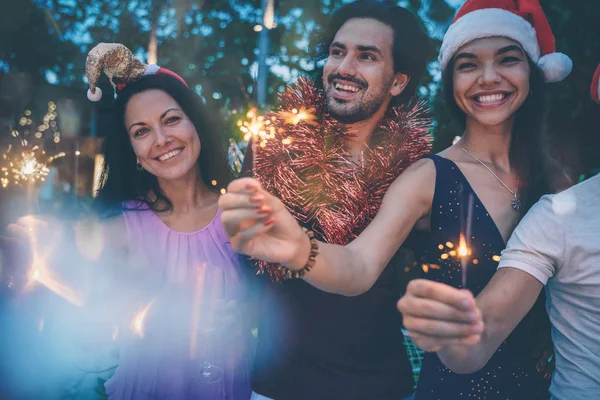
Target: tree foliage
(213,45)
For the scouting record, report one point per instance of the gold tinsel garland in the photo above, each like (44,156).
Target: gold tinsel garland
(307,166)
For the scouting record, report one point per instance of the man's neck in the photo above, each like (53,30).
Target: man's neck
(362,132)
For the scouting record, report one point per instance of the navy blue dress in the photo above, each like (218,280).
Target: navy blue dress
(511,372)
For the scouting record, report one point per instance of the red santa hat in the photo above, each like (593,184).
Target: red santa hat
(120,66)
(595,88)
(523,21)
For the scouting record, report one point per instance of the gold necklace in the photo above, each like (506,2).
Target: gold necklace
(516,202)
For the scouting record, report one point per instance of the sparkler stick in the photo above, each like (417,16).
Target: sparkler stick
(464,245)
(42,276)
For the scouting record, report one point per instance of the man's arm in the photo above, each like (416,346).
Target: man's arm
(504,302)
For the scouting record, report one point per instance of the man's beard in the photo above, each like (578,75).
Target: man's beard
(361,110)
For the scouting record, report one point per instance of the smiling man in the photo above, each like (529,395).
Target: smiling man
(332,176)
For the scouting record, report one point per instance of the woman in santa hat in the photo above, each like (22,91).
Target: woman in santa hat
(464,202)
(556,248)
(496,59)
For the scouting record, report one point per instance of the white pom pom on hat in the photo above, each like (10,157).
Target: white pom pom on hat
(96,95)
(555,66)
(523,21)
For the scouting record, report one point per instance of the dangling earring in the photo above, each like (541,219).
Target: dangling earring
(138,166)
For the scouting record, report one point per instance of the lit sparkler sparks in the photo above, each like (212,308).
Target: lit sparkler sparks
(296,116)
(27,162)
(260,129)
(28,169)
(137,325)
(463,252)
(256,127)
(462,247)
(42,275)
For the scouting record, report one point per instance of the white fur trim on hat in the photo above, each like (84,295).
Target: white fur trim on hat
(151,69)
(556,66)
(484,23)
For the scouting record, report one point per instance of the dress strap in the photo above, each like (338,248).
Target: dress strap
(447,176)
(448,184)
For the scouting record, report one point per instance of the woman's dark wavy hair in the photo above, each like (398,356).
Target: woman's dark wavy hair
(411,48)
(121,181)
(529,151)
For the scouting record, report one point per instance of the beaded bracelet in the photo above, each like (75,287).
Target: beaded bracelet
(312,258)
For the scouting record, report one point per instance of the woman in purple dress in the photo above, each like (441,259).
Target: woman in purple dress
(164,168)
(156,270)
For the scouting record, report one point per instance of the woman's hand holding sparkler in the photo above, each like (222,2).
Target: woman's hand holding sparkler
(260,226)
(437,315)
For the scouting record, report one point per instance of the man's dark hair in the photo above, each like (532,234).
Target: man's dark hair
(411,46)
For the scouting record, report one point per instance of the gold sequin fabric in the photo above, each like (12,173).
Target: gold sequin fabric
(118,63)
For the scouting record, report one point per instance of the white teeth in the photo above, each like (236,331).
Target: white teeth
(490,98)
(346,87)
(169,155)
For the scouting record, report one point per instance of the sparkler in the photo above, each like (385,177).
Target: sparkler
(256,131)
(42,275)
(256,127)
(198,294)
(137,325)
(27,161)
(259,129)
(463,249)
(296,116)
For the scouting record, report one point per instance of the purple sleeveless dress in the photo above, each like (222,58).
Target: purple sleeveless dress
(194,269)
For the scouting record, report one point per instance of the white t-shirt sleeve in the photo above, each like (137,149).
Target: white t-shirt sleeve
(537,243)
